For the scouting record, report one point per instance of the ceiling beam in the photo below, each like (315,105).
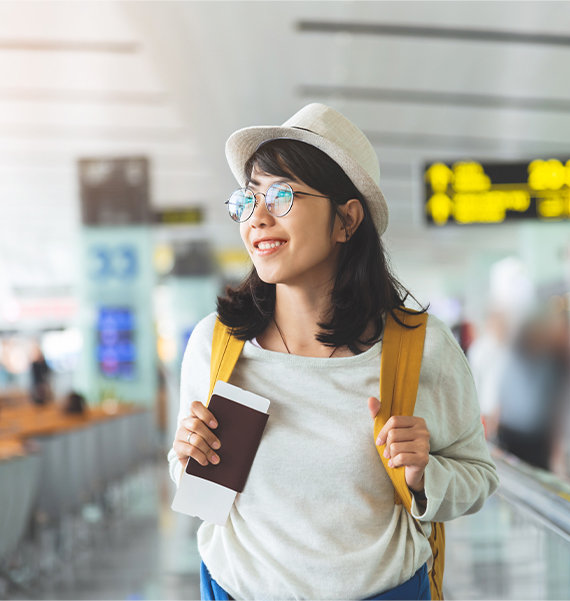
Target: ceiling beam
(439,33)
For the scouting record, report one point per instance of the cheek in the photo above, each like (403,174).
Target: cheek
(243,234)
(314,234)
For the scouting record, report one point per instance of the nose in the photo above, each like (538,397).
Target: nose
(260,217)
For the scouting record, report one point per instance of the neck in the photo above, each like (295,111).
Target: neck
(297,313)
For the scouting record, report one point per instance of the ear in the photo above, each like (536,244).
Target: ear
(351,216)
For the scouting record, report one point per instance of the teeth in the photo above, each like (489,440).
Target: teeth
(268,245)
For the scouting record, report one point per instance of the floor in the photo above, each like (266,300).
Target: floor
(140,550)
(143,550)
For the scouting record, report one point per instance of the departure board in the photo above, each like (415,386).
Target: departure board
(470,192)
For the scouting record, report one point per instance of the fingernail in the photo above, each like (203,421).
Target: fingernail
(216,445)
(215,459)
(378,441)
(213,424)
(386,454)
(390,463)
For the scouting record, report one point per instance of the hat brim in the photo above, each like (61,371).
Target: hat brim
(244,142)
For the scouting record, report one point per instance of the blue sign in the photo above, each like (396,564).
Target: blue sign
(112,262)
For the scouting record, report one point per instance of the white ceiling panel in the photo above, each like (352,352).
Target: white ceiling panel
(111,77)
(84,21)
(503,72)
(31,114)
(34,149)
(486,123)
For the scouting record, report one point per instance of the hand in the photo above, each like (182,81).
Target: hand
(194,437)
(407,444)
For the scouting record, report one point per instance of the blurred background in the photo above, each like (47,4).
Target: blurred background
(115,242)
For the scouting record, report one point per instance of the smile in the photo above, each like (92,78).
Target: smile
(268,246)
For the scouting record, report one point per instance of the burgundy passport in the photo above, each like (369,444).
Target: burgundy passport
(239,431)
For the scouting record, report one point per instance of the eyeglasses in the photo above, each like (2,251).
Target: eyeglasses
(278,200)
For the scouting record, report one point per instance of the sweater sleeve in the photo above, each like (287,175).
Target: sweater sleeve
(460,473)
(194,379)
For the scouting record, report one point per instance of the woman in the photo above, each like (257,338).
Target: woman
(317,519)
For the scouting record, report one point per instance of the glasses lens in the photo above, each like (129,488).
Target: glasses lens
(279,199)
(241,204)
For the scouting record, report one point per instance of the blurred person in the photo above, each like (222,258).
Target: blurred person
(559,332)
(318,516)
(15,357)
(40,377)
(464,333)
(487,356)
(5,376)
(531,394)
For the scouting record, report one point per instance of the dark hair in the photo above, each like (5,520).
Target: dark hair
(364,287)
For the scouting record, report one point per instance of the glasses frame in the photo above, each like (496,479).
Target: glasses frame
(256,201)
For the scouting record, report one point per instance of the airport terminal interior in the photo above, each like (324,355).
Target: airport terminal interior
(115,242)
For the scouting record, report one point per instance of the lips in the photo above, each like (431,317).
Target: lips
(268,243)
(267,246)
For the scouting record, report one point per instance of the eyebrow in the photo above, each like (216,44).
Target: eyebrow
(283,179)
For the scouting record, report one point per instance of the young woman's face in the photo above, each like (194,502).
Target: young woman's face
(297,249)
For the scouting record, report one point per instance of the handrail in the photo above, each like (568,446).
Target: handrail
(545,496)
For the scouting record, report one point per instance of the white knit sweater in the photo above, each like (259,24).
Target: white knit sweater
(317,518)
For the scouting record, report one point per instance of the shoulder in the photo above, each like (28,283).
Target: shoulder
(447,398)
(442,354)
(205,327)
(200,341)
(440,340)
(195,372)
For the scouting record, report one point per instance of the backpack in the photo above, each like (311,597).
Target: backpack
(402,350)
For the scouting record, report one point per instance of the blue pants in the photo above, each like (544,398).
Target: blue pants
(417,587)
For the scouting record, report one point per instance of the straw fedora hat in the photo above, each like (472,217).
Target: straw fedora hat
(331,132)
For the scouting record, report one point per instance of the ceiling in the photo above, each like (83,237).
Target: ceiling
(171,80)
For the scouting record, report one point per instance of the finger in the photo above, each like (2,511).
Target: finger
(198,442)
(200,457)
(181,450)
(193,424)
(373,406)
(198,410)
(184,450)
(401,435)
(397,421)
(409,460)
(413,446)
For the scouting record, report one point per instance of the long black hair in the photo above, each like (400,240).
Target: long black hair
(364,287)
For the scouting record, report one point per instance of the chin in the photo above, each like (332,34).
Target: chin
(267,278)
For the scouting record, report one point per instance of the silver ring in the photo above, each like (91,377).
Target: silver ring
(188,437)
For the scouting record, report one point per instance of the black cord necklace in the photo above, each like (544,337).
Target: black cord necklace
(283,339)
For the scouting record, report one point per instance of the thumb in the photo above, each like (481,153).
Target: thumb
(374,406)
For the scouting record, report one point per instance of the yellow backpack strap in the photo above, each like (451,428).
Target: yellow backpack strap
(437,544)
(226,350)
(402,350)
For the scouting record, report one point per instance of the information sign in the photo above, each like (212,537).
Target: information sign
(186,216)
(468,192)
